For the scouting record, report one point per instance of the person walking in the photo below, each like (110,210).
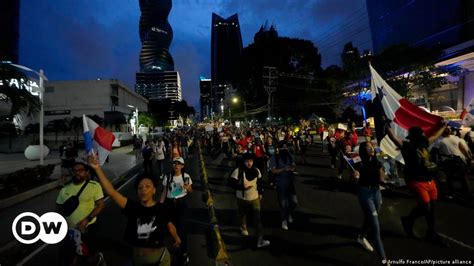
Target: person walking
(419,174)
(247,182)
(81,244)
(147,153)
(283,166)
(176,188)
(160,151)
(370,174)
(147,220)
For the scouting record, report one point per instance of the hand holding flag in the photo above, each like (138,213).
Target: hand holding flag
(390,106)
(97,139)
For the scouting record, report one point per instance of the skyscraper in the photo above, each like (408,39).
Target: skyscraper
(205,97)
(226,48)
(9,30)
(430,23)
(157,78)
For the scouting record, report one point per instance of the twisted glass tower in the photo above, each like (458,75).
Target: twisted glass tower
(157,78)
(156,36)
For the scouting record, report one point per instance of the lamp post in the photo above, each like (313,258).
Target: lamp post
(234,101)
(42,78)
(135,131)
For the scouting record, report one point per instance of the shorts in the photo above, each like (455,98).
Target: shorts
(425,191)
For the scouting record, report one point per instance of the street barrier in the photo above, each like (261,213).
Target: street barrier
(220,252)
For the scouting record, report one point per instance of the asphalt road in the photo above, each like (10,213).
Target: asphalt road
(327,222)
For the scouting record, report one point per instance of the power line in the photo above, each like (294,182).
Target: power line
(341,29)
(354,32)
(337,25)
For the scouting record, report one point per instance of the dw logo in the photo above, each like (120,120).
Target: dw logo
(28,228)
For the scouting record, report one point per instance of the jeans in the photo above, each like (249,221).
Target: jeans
(370,200)
(160,166)
(184,151)
(286,194)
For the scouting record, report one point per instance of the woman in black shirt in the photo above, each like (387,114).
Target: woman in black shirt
(370,175)
(147,219)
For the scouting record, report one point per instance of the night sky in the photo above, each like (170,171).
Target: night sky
(87,39)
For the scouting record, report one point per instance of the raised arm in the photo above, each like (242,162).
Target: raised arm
(436,135)
(106,184)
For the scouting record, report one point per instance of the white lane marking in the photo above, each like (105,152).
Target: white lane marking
(457,241)
(38,250)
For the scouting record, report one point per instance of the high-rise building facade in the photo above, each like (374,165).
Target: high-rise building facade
(226,48)
(205,86)
(429,23)
(157,78)
(160,85)
(9,30)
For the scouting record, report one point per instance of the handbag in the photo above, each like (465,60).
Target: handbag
(70,205)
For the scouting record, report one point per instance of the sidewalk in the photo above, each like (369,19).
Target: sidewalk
(121,161)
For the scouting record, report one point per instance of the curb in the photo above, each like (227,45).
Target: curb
(219,249)
(13,200)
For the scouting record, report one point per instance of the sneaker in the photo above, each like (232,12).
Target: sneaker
(186,259)
(100,259)
(290,219)
(263,243)
(284,225)
(365,244)
(244,231)
(407,226)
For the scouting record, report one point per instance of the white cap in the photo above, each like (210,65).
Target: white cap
(179,160)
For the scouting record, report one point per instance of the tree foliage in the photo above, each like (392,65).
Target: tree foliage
(164,110)
(298,65)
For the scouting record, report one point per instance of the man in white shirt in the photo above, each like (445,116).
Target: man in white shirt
(455,156)
(247,181)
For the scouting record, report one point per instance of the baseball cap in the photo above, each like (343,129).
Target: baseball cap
(179,160)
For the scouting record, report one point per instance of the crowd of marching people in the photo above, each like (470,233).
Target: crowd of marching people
(265,157)
(442,160)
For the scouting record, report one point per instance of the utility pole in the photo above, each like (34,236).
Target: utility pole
(270,76)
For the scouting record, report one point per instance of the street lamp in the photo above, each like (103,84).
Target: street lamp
(135,131)
(235,100)
(42,78)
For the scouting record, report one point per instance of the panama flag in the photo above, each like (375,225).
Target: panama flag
(468,115)
(387,102)
(97,139)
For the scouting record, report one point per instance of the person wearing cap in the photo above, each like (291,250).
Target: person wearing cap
(419,173)
(176,187)
(247,181)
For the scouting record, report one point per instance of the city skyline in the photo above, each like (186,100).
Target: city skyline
(72,40)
